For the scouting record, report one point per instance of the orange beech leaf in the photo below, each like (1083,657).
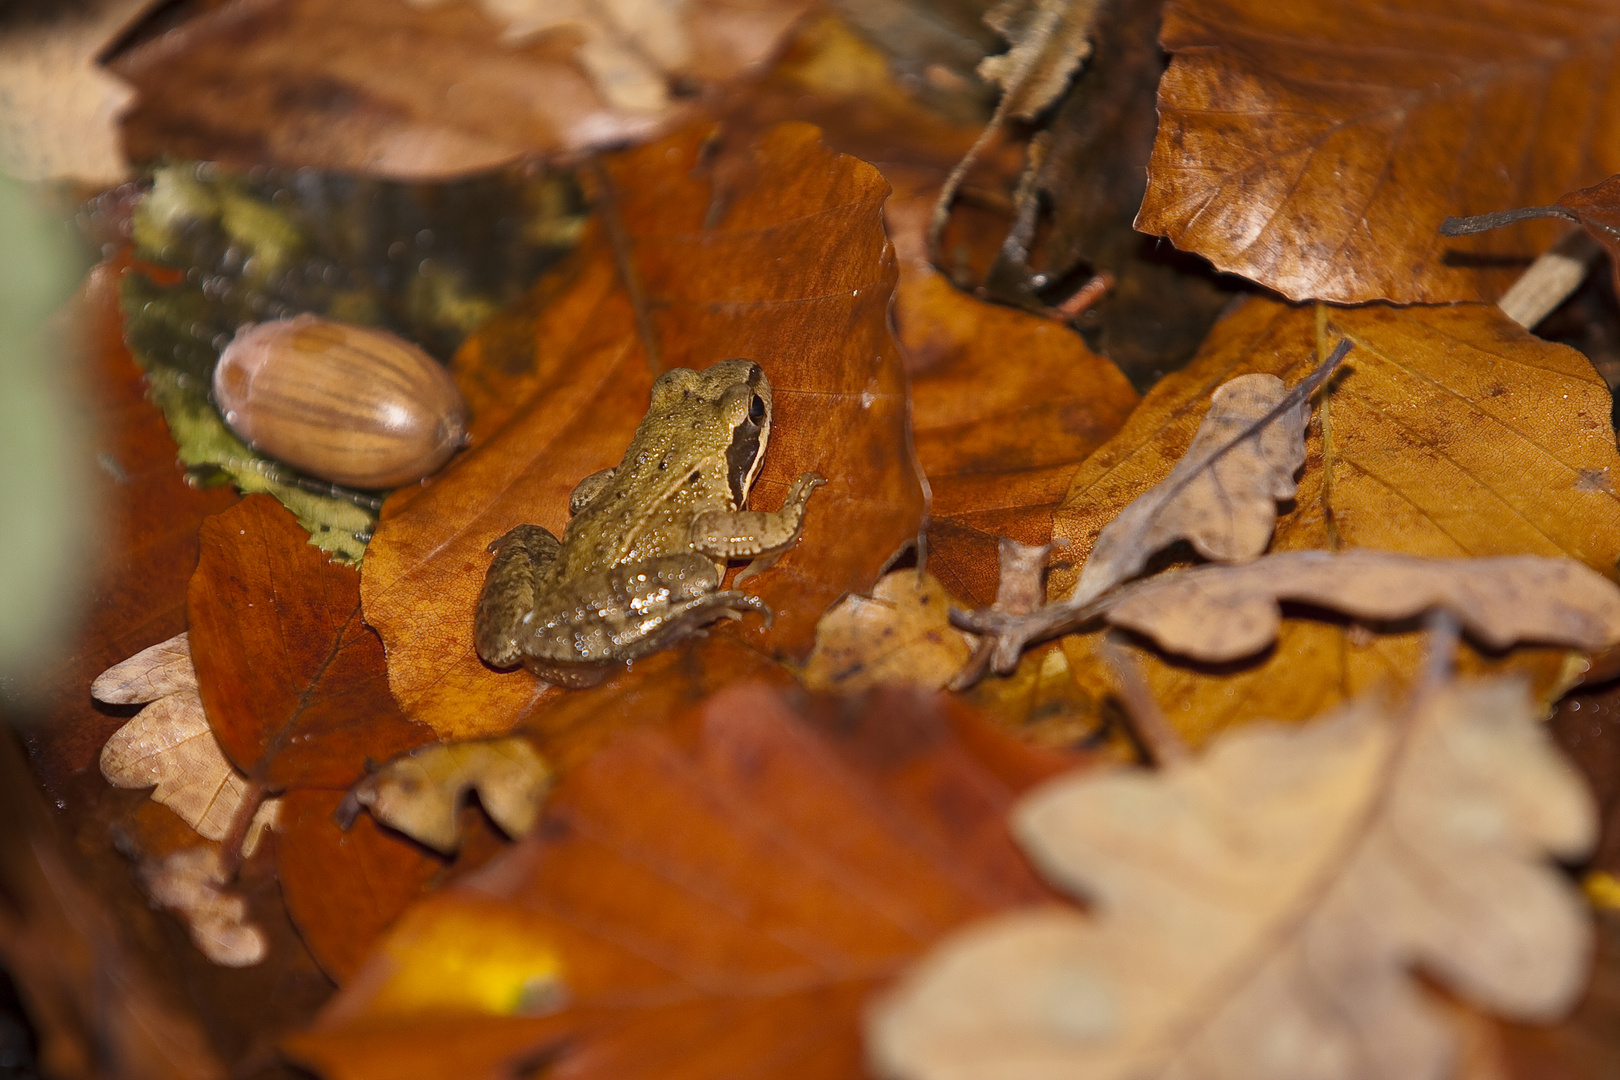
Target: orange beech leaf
(780,858)
(1317,148)
(293,680)
(776,254)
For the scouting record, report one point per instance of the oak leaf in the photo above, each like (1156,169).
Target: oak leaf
(775,253)
(1317,149)
(419,793)
(169,746)
(193,883)
(1228,612)
(902,633)
(780,857)
(1449,433)
(1260,909)
(1222,494)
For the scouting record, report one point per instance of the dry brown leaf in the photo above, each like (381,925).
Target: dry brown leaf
(902,633)
(59,110)
(635,49)
(1049,39)
(192,883)
(1450,432)
(169,746)
(1227,612)
(422,91)
(1259,911)
(1222,494)
(421,792)
(1317,148)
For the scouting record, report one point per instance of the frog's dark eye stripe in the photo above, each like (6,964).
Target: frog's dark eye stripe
(740,457)
(756,409)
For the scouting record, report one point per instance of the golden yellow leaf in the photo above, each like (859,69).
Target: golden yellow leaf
(1448,432)
(1260,911)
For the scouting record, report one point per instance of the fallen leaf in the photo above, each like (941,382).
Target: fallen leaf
(169,747)
(419,793)
(779,858)
(902,633)
(776,254)
(395,89)
(343,887)
(634,52)
(1317,149)
(1261,909)
(1449,433)
(59,109)
(1222,494)
(1228,612)
(193,884)
(293,680)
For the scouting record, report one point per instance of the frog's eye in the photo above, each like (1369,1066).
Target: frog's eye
(756,409)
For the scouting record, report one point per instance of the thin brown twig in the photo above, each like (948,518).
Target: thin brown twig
(1154,733)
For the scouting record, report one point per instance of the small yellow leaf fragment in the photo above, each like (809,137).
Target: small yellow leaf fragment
(169,747)
(419,793)
(1602,890)
(464,959)
(902,633)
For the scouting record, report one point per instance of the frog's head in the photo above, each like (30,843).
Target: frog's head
(728,409)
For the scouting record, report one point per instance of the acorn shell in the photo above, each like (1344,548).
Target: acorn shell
(350,404)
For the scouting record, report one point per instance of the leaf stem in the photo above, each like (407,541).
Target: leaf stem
(1468,226)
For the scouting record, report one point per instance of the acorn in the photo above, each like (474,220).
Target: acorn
(350,404)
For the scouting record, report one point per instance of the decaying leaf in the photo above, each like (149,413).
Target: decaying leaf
(1222,494)
(902,633)
(59,110)
(1220,613)
(293,680)
(193,883)
(1450,432)
(420,793)
(775,252)
(169,747)
(715,896)
(1316,149)
(1260,911)
(430,90)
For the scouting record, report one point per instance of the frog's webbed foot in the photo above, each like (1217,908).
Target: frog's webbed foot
(755,534)
(522,557)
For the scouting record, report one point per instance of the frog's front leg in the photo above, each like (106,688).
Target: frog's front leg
(755,534)
(589,488)
(522,558)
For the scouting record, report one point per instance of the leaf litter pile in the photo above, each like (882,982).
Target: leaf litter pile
(1198,658)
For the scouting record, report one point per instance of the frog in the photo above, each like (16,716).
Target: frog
(640,563)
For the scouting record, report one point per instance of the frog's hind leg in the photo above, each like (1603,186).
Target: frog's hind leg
(522,558)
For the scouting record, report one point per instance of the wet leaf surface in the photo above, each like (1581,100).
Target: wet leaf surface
(783,857)
(294,682)
(775,253)
(1317,149)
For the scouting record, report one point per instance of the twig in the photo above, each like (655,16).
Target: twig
(1155,734)
(1550,279)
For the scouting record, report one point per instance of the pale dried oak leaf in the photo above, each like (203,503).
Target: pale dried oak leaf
(420,793)
(1260,911)
(902,633)
(192,883)
(169,747)
(1218,613)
